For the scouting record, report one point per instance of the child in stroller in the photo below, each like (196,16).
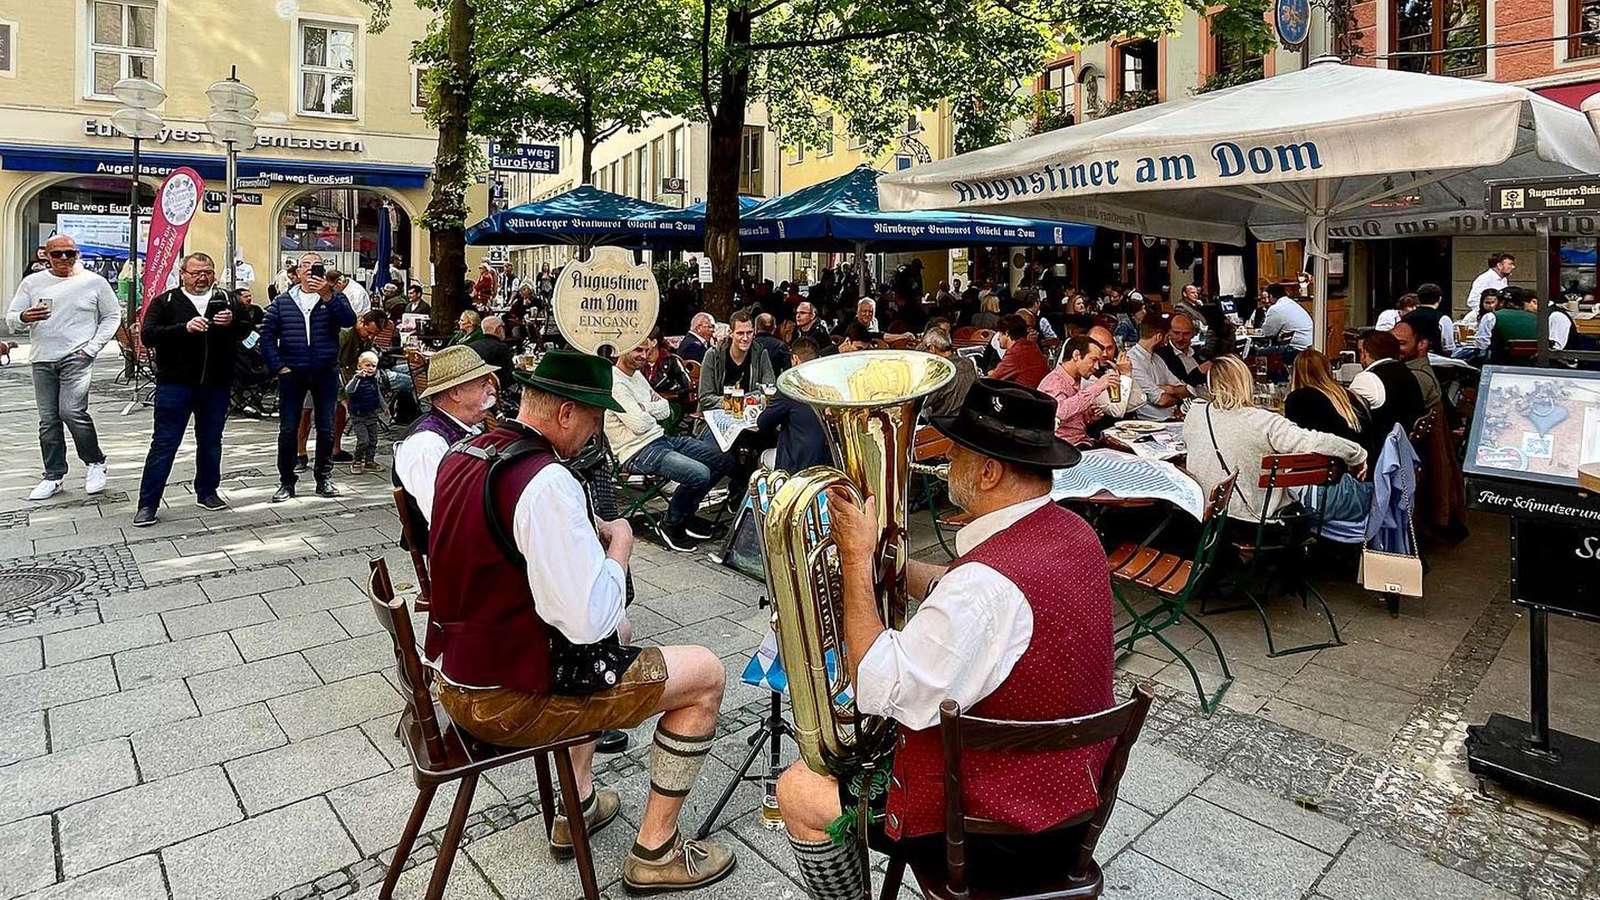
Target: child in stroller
(255,389)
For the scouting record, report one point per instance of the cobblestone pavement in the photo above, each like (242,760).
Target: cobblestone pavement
(204,709)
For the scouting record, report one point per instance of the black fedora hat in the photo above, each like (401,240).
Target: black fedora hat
(1011,423)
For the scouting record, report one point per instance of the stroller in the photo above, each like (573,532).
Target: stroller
(255,392)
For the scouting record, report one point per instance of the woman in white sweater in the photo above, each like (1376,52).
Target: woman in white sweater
(1229,435)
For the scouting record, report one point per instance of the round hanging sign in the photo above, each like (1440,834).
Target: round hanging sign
(606,301)
(1292,19)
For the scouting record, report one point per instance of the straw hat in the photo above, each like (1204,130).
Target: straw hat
(452,366)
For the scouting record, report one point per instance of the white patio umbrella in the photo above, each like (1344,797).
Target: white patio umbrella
(1302,147)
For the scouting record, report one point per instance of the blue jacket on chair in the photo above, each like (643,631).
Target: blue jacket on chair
(285,343)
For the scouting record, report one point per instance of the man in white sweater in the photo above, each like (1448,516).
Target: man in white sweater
(71,313)
(643,447)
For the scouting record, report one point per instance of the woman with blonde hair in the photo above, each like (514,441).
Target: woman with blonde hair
(1229,434)
(1319,402)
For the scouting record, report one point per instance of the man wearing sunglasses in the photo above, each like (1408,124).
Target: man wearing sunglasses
(71,313)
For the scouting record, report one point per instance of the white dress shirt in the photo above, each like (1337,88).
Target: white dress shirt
(577,589)
(1150,372)
(962,643)
(1447,334)
(1387,320)
(1287,318)
(1489,279)
(1485,332)
(1560,328)
(1368,387)
(416,462)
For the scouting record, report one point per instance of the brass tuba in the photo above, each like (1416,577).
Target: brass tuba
(868,403)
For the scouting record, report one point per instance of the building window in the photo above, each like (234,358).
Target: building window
(419,89)
(327,70)
(751,149)
(1583,15)
(1063,87)
(8,49)
(1137,62)
(658,166)
(1448,35)
(641,174)
(913,124)
(827,137)
(675,151)
(122,44)
(797,155)
(1232,60)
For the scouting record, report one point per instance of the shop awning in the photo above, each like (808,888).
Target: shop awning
(26,158)
(584,215)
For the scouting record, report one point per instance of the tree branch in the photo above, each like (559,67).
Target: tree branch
(760,11)
(562,17)
(830,41)
(705,57)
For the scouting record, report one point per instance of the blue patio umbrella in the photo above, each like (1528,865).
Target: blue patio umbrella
(583,215)
(843,214)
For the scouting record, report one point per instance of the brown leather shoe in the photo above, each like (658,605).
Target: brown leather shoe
(606,805)
(690,865)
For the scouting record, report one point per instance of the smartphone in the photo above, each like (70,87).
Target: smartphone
(44,302)
(317,270)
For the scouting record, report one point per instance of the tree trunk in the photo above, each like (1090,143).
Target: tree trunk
(446,215)
(722,178)
(586,133)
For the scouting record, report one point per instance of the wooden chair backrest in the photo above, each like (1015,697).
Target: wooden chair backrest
(964,333)
(902,342)
(959,733)
(394,618)
(1422,429)
(1217,503)
(1285,470)
(1522,349)
(929,444)
(414,545)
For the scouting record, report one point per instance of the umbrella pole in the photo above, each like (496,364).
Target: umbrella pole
(861,269)
(1317,249)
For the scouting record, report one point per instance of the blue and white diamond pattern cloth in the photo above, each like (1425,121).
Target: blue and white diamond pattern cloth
(765,668)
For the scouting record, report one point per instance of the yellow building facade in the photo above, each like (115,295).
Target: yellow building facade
(342,140)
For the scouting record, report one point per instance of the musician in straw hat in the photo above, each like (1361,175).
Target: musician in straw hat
(463,388)
(1018,627)
(528,596)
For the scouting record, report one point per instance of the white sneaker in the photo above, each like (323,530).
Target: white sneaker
(47,488)
(95,480)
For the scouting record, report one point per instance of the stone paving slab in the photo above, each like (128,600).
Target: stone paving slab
(136,879)
(280,636)
(47,783)
(151,601)
(27,848)
(230,586)
(261,855)
(1134,876)
(1321,832)
(1370,868)
(1156,780)
(304,769)
(121,714)
(334,706)
(376,809)
(21,656)
(148,817)
(22,737)
(252,682)
(207,740)
(56,686)
(221,615)
(178,659)
(1230,854)
(352,656)
(312,597)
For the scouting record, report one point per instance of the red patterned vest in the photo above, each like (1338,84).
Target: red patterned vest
(1057,562)
(482,628)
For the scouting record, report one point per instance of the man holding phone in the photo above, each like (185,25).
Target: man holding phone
(300,341)
(195,329)
(72,313)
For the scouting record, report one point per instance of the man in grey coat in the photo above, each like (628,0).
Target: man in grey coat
(736,362)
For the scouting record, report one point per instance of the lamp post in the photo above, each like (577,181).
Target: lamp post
(138,120)
(232,122)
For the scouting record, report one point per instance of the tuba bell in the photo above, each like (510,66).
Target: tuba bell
(868,403)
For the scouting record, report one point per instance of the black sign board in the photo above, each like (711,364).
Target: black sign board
(1529,500)
(1544,196)
(1556,567)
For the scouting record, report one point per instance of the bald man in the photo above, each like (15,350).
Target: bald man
(766,328)
(71,313)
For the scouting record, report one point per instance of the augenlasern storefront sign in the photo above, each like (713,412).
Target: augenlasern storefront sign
(266,137)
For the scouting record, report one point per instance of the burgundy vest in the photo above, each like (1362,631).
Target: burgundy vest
(1057,562)
(482,628)
(445,427)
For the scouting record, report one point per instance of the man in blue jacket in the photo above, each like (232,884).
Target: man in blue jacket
(300,341)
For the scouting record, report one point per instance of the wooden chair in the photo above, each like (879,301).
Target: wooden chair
(945,875)
(1289,539)
(419,370)
(412,543)
(928,446)
(441,753)
(1174,580)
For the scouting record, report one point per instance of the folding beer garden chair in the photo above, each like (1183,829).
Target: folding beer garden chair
(1174,581)
(1279,551)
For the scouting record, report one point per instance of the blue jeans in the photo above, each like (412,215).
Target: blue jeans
(61,391)
(694,464)
(174,404)
(323,386)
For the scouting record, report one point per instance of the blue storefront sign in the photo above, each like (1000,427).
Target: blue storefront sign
(535,159)
(252,171)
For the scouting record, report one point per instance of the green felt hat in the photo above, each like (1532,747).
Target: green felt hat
(576,376)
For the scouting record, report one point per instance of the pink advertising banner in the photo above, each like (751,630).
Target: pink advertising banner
(176,204)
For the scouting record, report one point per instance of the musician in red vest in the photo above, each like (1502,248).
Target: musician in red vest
(1017,627)
(528,597)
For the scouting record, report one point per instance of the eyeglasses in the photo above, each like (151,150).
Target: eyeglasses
(196,273)
(63,254)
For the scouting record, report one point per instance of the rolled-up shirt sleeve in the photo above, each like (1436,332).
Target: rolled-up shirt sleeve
(577,589)
(961,644)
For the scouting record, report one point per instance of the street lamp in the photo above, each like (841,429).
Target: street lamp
(137,119)
(232,122)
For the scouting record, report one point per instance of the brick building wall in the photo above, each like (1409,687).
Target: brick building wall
(1539,64)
